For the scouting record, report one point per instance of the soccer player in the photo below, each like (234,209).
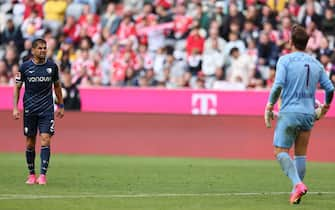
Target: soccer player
(296,81)
(39,75)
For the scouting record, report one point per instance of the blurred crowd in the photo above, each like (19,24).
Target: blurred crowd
(212,44)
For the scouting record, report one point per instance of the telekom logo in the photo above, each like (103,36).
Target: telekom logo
(204,104)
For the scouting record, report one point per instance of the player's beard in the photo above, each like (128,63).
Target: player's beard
(42,57)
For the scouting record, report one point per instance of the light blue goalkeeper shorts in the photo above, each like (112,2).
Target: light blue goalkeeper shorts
(288,127)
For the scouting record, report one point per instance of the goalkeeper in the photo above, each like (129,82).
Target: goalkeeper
(297,78)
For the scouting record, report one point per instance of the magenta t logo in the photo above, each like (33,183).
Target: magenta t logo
(204,104)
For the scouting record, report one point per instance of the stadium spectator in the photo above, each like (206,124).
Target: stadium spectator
(253,15)
(31,6)
(249,31)
(71,29)
(234,41)
(241,67)
(126,30)
(85,70)
(324,48)
(267,15)
(26,54)
(164,16)
(327,26)
(54,11)
(65,63)
(74,10)
(218,16)
(110,20)
(315,37)
(276,5)
(182,22)
(310,15)
(176,70)
(11,58)
(213,60)
(195,41)
(293,8)
(213,36)
(70,92)
(147,78)
(273,34)
(201,17)
(152,26)
(132,77)
(52,47)
(267,50)
(234,16)
(311,7)
(252,50)
(12,35)
(93,4)
(284,31)
(194,61)
(66,47)
(329,4)
(32,26)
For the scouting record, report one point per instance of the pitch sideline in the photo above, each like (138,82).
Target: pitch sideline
(144,195)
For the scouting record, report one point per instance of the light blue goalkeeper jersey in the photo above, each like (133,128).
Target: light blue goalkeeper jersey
(298,74)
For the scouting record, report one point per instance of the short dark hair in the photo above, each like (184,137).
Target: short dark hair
(233,50)
(38,41)
(299,37)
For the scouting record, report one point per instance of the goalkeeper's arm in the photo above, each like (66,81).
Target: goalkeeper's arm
(274,96)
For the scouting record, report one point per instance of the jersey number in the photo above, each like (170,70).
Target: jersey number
(52,126)
(307,79)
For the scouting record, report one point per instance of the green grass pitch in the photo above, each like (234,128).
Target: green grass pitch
(77,182)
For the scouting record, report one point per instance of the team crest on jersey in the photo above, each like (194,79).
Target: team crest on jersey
(49,70)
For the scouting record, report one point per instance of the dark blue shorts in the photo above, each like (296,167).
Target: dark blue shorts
(44,123)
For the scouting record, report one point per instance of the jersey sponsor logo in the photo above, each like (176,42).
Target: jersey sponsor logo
(204,104)
(39,79)
(31,72)
(303,95)
(49,70)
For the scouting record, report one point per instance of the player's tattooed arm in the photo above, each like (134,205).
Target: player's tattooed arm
(275,93)
(16,96)
(329,97)
(58,92)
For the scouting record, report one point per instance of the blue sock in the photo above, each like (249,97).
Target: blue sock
(288,167)
(30,159)
(300,164)
(45,156)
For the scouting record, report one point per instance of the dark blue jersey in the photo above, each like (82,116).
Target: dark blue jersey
(38,80)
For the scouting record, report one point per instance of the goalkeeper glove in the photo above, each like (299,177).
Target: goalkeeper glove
(321,111)
(268,116)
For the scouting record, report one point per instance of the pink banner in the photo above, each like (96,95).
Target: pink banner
(166,101)
(6,98)
(180,101)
